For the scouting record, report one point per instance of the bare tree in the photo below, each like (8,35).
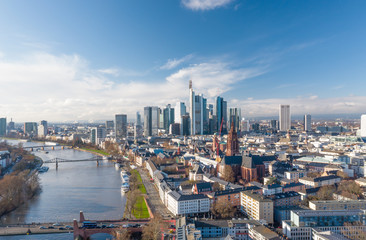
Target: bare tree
(216,186)
(132,197)
(223,209)
(122,234)
(154,229)
(229,175)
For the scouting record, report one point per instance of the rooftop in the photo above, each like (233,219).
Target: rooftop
(256,196)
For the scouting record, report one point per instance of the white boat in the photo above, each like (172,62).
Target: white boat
(125,187)
(125,178)
(117,166)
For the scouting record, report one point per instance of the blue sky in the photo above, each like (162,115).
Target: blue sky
(88,60)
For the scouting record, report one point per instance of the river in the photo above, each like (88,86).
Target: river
(74,187)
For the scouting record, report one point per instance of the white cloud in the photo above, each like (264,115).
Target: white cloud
(205,4)
(64,87)
(212,78)
(173,63)
(302,105)
(110,71)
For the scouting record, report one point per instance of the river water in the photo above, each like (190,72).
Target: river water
(74,187)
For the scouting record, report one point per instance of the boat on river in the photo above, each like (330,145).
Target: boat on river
(42,169)
(125,187)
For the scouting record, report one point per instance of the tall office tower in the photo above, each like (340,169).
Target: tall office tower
(120,126)
(180,110)
(109,125)
(138,126)
(245,126)
(285,118)
(97,135)
(205,117)
(151,121)
(196,112)
(168,119)
(2,126)
(274,124)
(307,122)
(138,119)
(30,128)
(363,125)
(11,125)
(210,110)
(221,114)
(43,128)
(235,117)
(185,125)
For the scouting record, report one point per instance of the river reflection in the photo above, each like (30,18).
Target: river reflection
(74,187)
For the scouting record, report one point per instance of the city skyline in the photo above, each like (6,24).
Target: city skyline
(64,61)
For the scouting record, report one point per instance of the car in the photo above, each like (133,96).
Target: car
(42,227)
(61,228)
(56,224)
(104,226)
(51,227)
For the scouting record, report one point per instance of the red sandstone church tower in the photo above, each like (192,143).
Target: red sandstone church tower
(232,142)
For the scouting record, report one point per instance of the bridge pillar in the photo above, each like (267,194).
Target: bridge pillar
(56,164)
(62,147)
(31,149)
(97,162)
(82,218)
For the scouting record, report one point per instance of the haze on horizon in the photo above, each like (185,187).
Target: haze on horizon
(89,60)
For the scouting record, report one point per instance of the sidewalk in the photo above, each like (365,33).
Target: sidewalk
(153,198)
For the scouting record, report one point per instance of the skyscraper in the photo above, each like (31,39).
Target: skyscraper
(30,128)
(363,125)
(2,126)
(197,112)
(120,126)
(180,110)
(307,122)
(138,119)
(235,117)
(43,128)
(285,118)
(109,125)
(151,121)
(11,125)
(168,117)
(221,114)
(138,126)
(97,135)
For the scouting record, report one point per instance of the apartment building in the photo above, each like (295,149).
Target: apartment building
(320,181)
(256,206)
(337,205)
(180,204)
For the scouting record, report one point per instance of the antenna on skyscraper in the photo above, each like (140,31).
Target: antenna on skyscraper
(190,84)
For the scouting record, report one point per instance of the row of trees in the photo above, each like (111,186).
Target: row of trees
(152,231)
(16,189)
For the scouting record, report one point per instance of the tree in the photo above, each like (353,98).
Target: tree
(216,186)
(154,229)
(122,234)
(326,192)
(132,197)
(314,174)
(223,209)
(272,180)
(229,175)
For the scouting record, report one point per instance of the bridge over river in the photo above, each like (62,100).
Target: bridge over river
(60,160)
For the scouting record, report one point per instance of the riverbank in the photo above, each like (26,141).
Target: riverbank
(94,151)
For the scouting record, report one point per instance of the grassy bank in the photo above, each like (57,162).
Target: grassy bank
(141,185)
(139,210)
(95,151)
